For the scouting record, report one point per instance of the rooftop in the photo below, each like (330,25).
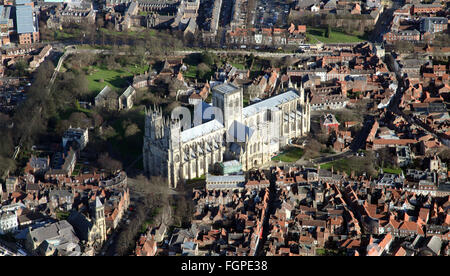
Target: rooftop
(225,178)
(200,130)
(270,103)
(225,88)
(22,2)
(24,19)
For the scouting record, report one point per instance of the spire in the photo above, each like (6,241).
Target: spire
(98,203)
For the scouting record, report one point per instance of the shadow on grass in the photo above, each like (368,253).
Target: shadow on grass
(316,32)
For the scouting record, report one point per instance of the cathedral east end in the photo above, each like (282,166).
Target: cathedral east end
(251,135)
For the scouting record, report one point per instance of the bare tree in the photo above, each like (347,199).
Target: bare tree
(108,163)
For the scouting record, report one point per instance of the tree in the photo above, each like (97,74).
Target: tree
(108,132)
(45,71)
(21,67)
(328,31)
(208,58)
(146,210)
(97,118)
(312,149)
(100,22)
(203,71)
(445,155)
(6,164)
(79,119)
(131,130)
(108,163)
(61,126)
(110,62)
(174,86)
(386,158)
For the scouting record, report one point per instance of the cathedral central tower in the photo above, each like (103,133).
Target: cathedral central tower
(229,99)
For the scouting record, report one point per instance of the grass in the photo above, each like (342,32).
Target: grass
(79,108)
(146,225)
(339,165)
(246,101)
(76,170)
(289,155)
(62,215)
(198,183)
(392,170)
(93,47)
(238,66)
(61,35)
(134,34)
(115,78)
(359,165)
(191,72)
(318,34)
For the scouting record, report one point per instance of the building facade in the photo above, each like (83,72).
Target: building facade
(250,135)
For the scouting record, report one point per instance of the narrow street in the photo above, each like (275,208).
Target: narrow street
(384,21)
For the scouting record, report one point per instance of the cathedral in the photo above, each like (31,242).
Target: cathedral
(252,135)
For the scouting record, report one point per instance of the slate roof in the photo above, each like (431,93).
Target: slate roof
(106,92)
(22,2)
(225,178)
(198,131)
(24,19)
(81,224)
(61,230)
(269,103)
(4,14)
(225,88)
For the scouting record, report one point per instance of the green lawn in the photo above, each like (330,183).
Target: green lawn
(318,34)
(61,35)
(62,215)
(357,164)
(116,79)
(392,170)
(289,155)
(238,66)
(191,72)
(339,165)
(135,34)
(246,101)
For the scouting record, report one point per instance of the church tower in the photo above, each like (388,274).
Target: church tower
(98,217)
(154,132)
(302,94)
(229,99)
(173,136)
(154,124)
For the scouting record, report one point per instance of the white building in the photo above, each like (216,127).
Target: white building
(251,135)
(78,135)
(8,222)
(225,182)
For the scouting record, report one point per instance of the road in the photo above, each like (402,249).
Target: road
(384,22)
(69,45)
(257,53)
(382,25)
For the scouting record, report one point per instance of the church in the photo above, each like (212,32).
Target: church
(252,134)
